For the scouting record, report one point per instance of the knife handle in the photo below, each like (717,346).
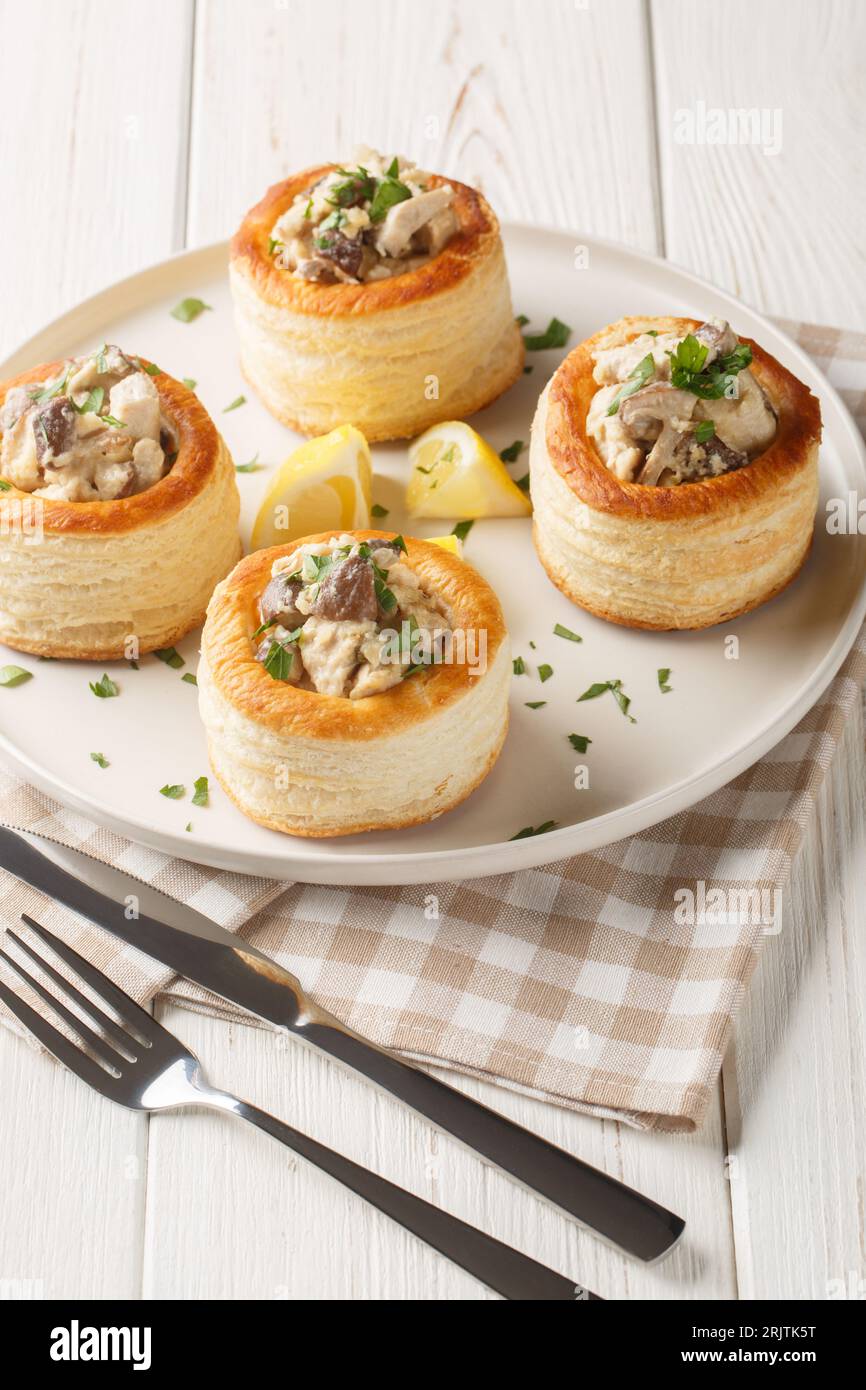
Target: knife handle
(508,1271)
(614,1211)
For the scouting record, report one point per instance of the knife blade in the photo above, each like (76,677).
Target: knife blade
(204,952)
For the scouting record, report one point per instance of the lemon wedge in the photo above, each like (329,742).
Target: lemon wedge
(452,543)
(325,485)
(456,473)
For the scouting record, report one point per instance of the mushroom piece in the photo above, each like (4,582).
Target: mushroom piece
(704,460)
(345,251)
(658,411)
(277,603)
(348,592)
(717,337)
(54,428)
(405,219)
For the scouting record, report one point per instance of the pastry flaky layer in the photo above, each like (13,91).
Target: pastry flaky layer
(391,356)
(323,765)
(671,557)
(80,579)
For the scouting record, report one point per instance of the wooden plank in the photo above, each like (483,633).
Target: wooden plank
(232,1215)
(93,131)
(795,1085)
(524,101)
(780,229)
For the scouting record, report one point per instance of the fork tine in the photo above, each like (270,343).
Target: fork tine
(64,1050)
(92,1039)
(129,1011)
(115,1031)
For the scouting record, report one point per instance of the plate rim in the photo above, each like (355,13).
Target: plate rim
(349,868)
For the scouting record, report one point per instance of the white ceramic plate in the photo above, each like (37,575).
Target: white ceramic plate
(721,716)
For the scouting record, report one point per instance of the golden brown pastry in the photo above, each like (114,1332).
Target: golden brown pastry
(674,474)
(118,508)
(353,682)
(376,296)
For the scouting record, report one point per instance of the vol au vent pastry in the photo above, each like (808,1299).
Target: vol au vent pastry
(375,294)
(353,682)
(674,474)
(118,508)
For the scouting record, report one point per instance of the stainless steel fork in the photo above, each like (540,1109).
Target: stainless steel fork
(140,1064)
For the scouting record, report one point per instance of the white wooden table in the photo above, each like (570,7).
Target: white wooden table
(129,132)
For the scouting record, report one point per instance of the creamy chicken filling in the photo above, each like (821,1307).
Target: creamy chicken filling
(347,618)
(673,410)
(96,432)
(372,221)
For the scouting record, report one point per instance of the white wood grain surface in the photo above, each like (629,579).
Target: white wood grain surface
(151,135)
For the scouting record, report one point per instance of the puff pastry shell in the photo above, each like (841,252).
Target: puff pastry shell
(390,356)
(321,765)
(671,557)
(78,579)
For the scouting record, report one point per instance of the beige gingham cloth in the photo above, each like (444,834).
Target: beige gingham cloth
(574,982)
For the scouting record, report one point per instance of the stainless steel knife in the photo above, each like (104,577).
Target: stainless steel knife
(207,953)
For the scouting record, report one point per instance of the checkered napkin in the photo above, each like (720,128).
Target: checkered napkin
(575,982)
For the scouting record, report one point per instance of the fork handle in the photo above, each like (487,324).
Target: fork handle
(509,1272)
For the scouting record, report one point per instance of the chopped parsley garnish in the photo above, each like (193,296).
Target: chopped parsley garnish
(535,704)
(264,627)
(171,657)
(190,383)
(273,243)
(4,486)
(545,672)
(190,678)
(387,601)
(462,529)
(189,309)
(555,335)
(200,795)
(357,187)
(389,192)
(150,367)
(519,666)
(566,632)
(105,688)
(114,423)
(280,658)
(664,675)
(49,390)
(527,371)
(616,690)
(238,401)
(252,467)
(636,379)
(378,510)
(14,675)
(704,430)
(534,830)
(100,759)
(400,545)
(579,742)
(689,373)
(652,332)
(174,791)
(188,825)
(513,452)
(521,320)
(92,403)
(523,483)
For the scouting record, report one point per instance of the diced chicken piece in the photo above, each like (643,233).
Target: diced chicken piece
(135,402)
(373,680)
(746,424)
(439,231)
(113,480)
(68,486)
(16,404)
(615,445)
(616,364)
(148,462)
(18,462)
(330,652)
(404,219)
